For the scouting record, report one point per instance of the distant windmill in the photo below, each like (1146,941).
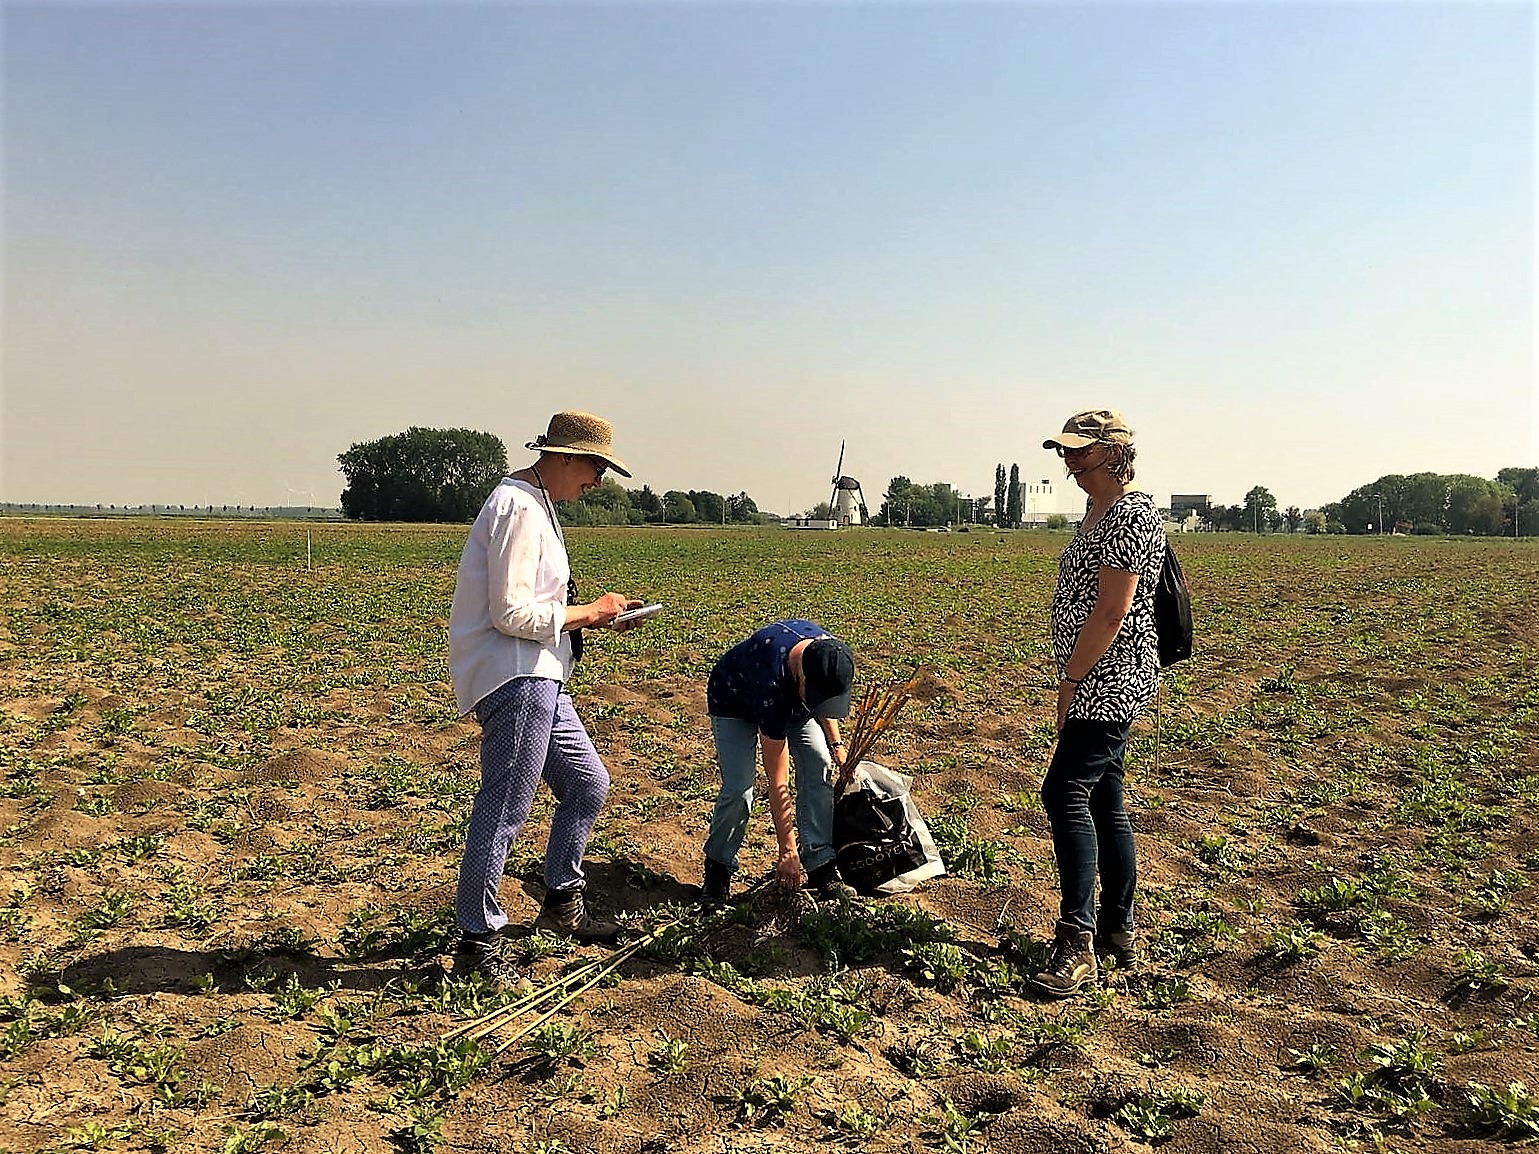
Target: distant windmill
(846,500)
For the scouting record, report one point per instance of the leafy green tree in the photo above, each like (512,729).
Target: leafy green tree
(440,475)
(678,509)
(1260,510)
(822,511)
(710,508)
(605,504)
(897,505)
(999,494)
(921,506)
(1293,518)
(1477,506)
(1226,518)
(743,510)
(646,502)
(1314,521)
(1013,499)
(1523,510)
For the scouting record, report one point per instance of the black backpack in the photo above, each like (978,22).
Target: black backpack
(1172,611)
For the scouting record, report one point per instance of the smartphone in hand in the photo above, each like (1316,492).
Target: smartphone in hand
(640,613)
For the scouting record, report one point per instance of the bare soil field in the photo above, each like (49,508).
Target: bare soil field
(234,791)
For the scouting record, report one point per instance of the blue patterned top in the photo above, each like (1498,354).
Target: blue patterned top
(752,681)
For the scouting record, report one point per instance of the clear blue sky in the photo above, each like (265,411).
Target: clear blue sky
(1293,242)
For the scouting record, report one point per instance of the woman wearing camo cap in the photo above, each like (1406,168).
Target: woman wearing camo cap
(1107,656)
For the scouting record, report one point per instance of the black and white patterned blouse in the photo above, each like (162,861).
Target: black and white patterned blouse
(1129,537)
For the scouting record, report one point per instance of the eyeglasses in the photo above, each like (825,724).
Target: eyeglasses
(600,467)
(1079,452)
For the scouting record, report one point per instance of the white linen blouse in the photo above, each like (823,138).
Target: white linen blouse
(509,596)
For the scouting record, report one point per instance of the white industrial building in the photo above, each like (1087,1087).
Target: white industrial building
(1043,499)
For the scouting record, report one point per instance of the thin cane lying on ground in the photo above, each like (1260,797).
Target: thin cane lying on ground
(876,711)
(564,987)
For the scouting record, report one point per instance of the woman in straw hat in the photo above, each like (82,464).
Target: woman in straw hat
(514,632)
(1108,663)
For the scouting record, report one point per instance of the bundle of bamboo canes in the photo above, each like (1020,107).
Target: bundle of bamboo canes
(556,994)
(875,713)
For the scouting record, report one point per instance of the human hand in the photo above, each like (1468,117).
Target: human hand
(622,626)
(1065,696)
(608,607)
(788,870)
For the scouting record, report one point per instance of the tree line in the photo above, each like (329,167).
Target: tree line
(612,504)
(1421,503)
(444,475)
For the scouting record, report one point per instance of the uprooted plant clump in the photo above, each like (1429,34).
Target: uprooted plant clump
(234,794)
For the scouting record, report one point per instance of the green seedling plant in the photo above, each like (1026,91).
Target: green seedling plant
(1315,1057)
(1164,993)
(112,908)
(921,1058)
(956,1130)
(992,1055)
(1398,1088)
(1151,1115)
(852,1124)
(941,964)
(1295,942)
(1157,1058)
(766,1101)
(671,1055)
(1509,1114)
(1478,974)
(557,1042)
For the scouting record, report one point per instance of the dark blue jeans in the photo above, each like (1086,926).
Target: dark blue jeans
(1082,794)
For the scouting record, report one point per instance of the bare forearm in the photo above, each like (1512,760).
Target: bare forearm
(1095,638)
(777,771)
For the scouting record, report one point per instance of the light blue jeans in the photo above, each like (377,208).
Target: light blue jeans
(737,756)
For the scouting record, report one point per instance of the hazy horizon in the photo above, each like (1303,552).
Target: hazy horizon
(1294,243)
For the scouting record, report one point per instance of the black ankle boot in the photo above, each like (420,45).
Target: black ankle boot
(716,888)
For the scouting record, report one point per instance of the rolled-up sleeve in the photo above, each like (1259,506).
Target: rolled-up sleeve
(512,569)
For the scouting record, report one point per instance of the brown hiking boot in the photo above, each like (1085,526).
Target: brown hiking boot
(1071,967)
(565,915)
(1119,946)
(485,954)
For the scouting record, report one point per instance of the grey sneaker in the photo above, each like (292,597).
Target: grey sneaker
(487,955)
(1119,946)
(716,886)
(826,883)
(566,915)
(1071,967)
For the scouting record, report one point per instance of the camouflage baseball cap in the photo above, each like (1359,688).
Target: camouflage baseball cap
(1105,425)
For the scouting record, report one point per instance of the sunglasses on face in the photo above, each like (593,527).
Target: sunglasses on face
(1080,452)
(599,467)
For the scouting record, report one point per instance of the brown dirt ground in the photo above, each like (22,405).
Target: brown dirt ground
(1289,747)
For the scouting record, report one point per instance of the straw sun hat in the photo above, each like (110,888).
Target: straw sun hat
(581,435)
